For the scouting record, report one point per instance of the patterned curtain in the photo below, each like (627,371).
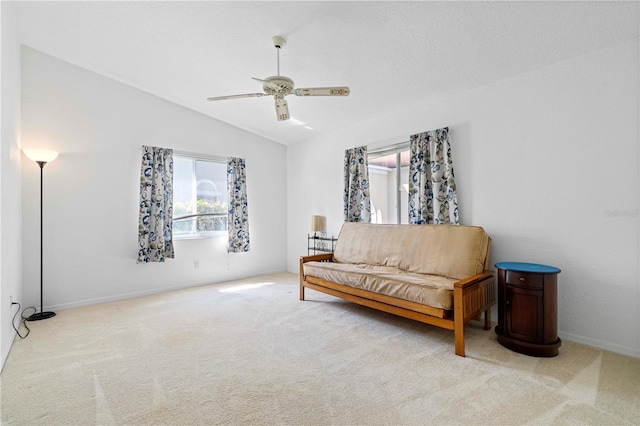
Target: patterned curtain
(357,201)
(155,236)
(238,221)
(432,186)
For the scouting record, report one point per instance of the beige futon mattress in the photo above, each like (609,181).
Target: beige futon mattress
(430,290)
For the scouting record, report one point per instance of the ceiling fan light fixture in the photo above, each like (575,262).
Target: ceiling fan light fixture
(282,108)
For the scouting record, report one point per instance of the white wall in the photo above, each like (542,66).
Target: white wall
(91,190)
(10,207)
(546,162)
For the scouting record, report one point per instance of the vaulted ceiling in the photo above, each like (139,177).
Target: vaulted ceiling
(391,54)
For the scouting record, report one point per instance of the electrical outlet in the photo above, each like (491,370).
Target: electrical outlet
(196,264)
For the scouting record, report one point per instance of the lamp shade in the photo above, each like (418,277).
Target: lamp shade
(44,155)
(318,223)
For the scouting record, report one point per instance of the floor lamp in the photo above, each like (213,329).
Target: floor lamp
(42,157)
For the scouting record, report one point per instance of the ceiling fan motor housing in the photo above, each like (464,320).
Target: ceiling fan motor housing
(278,85)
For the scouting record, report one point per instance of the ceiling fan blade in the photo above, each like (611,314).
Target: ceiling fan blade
(282,109)
(323,91)
(248,95)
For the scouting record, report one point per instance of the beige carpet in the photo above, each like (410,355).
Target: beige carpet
(249,352)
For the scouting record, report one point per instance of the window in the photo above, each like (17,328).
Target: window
(200,199)
(388,177)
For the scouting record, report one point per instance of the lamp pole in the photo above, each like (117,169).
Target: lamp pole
(41,315)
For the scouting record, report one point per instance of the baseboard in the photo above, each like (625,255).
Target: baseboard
(5,352)
(125,296)
(600,344)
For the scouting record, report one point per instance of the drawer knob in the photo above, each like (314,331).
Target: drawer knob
(522,279)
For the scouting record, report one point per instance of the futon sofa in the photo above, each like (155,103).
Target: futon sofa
(436,274)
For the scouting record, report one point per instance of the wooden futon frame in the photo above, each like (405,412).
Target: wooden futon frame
(471,297)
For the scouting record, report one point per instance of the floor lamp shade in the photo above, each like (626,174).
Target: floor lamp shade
(42,157)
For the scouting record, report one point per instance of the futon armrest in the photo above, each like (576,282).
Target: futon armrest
(324,257)
(474,279)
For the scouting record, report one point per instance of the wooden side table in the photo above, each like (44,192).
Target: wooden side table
(528,308)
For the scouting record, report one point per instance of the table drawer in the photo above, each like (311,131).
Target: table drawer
(524,279)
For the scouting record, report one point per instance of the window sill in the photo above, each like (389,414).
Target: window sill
(199,236)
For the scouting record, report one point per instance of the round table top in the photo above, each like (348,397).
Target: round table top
(528,267)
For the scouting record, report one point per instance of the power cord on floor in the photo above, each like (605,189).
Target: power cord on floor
(22,321)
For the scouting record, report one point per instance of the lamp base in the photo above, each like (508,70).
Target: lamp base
(41,315)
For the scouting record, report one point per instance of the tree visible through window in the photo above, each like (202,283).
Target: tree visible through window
(200,199)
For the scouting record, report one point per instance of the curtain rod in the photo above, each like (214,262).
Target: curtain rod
(200,156)
(399,145)
(389,148)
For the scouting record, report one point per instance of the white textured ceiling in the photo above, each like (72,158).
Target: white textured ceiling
(389,53)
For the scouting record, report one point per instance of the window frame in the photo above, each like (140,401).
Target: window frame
(194,182)
(386,150)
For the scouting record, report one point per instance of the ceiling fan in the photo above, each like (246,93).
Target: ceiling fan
(280,86)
